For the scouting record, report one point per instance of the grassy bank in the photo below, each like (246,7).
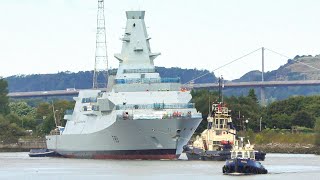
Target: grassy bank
(279,136)
(283,141)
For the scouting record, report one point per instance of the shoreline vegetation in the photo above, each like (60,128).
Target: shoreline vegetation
(268,148)
(295,141)
(269,142)
(284,126)
(294,148)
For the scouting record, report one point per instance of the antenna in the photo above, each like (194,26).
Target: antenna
(54,115)
(101,58)
(220,89)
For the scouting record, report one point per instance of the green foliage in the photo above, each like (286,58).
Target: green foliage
(14,118)
(282,121)
(252,95)
(22,109)
(244,108)
(317,132)
(280,136)
(47,125)
(9,132)
(45,112)
(4,99)
(83,79)
(303,118)
(247,106)
(294,111)
(40,119)
(202,99)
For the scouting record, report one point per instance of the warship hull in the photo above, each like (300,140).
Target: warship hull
(128,139)
(138,116)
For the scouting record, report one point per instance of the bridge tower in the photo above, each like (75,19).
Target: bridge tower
(100,73)
(262,89)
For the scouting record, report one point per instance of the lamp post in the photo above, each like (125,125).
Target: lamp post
(260,123)
(246,121)
(243,127)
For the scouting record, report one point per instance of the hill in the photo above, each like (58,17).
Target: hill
(83,79)
(298,68)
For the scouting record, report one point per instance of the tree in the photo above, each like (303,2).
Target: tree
(9,132)
(281,121)
(45,112)
(317,132)
(252,95)
(247,108)
(22,109)
(303,118)
(47,125)
(14,118)
(202,99)
(4,99)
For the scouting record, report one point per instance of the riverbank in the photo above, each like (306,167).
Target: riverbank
(23,145)
(291,148)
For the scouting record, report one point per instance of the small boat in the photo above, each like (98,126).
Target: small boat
(42,153)
(243,161)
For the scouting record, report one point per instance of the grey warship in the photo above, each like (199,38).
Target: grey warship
(139,116)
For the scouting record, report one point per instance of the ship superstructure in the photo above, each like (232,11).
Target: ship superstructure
(220,130)
(139,116)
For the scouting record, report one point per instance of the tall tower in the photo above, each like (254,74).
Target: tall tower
(101,59)
(262,89)
(136,56)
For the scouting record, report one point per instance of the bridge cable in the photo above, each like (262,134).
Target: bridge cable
(294,59)
(223,65)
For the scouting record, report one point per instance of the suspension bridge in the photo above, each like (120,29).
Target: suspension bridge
(252,84)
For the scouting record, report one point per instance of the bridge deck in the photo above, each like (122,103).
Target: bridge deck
(252,84)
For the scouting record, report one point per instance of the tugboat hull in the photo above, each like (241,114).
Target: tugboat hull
(42,153)
(199,154)
(243,167)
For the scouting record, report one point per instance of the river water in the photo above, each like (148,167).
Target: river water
(21,166)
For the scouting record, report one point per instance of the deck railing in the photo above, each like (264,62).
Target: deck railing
(156,106)
(147,80)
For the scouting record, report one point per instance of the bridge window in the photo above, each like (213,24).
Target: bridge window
(209,125)
(221,123)
(89,100)
(95,108)
(252,155)
(233,155)
(245,154)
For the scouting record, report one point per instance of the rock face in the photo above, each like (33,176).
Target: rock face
(288,148)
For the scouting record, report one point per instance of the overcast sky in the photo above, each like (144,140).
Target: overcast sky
(50,36)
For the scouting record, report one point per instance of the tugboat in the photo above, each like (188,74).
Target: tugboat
(215,142)
(243,161)
(42,153)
